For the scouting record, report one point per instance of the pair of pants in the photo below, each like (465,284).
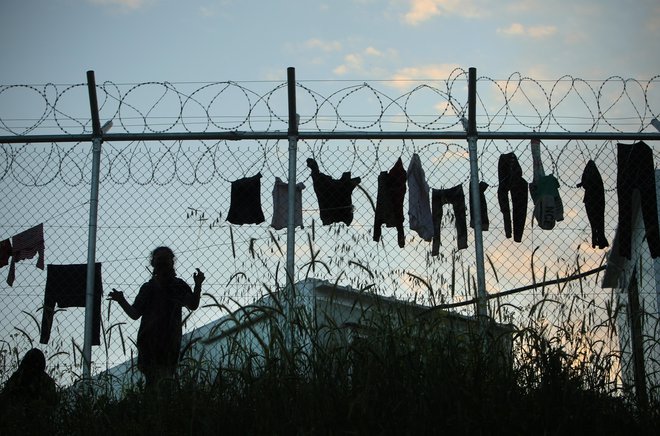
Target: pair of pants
(635,171)
(510,179)
(594,202)
(482,205)
(456,198)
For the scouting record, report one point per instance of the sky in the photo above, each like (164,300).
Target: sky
(132,41)
(137,41)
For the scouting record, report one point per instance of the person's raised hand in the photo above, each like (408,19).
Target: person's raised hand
(198,277)
(115,295)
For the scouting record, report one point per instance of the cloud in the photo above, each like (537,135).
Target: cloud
(123,5)
(653,21)
(365,62)
(371,51)
(423,10)
(536,32)
(523,6)
(513,29)
(207,12)
(402,77)
(319,44)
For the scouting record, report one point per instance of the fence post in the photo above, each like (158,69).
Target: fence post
(637,339)
(93,212)
(291,225)
(482,303)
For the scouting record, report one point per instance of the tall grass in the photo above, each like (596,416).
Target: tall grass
(398,374)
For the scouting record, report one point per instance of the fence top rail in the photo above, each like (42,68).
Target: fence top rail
(345,135)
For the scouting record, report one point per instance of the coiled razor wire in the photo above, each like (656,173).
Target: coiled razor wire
(568,104)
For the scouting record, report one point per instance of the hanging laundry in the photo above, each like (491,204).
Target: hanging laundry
(635,171)
(419,203)
(24,246)
(281,205)
(482,206)
(456,198)
(66,286)
(389,202)
(5,252)
(333,195)
(245,206)
(594,201)
(548,207)
(511,180)
(544,190)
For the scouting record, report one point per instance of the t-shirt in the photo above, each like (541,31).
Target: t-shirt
(334,195)
(159,335)
(245,206)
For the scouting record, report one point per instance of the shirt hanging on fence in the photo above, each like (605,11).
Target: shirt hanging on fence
(281,205)
(419,201)
(389,202)
(544,190)
(334,195)
(24,246)
(5,252)
(66,286)
(245,207)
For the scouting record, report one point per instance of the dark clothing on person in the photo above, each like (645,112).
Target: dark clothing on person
(66,286)
(511,180)
(389,202)
(245,206)
(482,205)
(635,171)
(159,335)
(29,389)
(24,388)
(456,198)
(594,202)
(334,195)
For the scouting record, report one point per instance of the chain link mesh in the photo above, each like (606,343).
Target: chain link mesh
(178,193)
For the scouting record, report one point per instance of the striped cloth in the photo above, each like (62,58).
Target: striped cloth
(24,246)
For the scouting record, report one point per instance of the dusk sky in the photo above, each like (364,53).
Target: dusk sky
(129,41)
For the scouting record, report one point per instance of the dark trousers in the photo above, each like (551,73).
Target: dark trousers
(594,202)
(511,180)
(635,171)
(482,205)
(456,198)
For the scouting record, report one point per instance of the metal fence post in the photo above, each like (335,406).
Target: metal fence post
(93,212)
(291,227)
(482,304)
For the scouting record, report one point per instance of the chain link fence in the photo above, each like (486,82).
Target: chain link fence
(178,193)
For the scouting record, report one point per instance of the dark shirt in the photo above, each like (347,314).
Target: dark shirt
(159,335)
(24,388)
(66,286)
(389,201)
(245,206)
(333,195)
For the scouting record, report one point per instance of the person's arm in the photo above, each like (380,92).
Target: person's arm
(193,301)
(118,296)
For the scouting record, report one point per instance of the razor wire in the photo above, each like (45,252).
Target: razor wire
(177,192)
(518,102)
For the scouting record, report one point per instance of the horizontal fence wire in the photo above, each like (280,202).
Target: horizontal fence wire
(177,192)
